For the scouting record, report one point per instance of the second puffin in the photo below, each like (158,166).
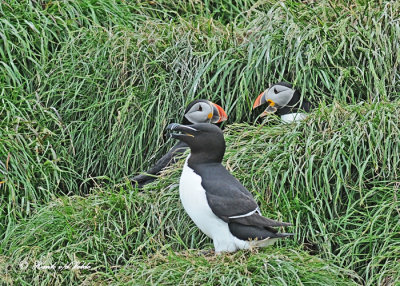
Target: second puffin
(285,101)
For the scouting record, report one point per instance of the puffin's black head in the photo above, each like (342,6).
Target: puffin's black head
(283,99)
(206,141)
(203,111)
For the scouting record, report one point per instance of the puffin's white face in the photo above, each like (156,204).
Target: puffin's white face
(277,96)
(201,112)
(205,112)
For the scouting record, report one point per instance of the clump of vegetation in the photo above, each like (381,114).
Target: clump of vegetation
(274,267)
(342,211)
(124,236)
(87,88)
(337,176)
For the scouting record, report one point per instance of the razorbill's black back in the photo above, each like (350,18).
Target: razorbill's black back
(198,111)
(285,101)
(215,200)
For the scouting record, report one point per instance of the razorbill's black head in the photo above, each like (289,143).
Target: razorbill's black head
(206,141)
(203,111)
(215,200)
(283,99)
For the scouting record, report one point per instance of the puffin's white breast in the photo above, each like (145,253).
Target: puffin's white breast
(292,117)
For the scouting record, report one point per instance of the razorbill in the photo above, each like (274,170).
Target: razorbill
(285,101)
(216,201)
(198,111)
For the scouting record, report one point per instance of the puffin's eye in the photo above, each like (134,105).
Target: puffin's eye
(275,90)
(200,108)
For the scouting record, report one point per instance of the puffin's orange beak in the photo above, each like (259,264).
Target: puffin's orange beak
(259,100)
(221,114)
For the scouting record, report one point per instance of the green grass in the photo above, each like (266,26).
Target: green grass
(342,211)
(275,267)
(145,238)
(338,176)
(87,88)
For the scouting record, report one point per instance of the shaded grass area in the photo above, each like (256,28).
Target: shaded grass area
(342,211)
(35,163)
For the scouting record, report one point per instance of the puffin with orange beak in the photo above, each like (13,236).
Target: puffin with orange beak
(198,111)
(282,99)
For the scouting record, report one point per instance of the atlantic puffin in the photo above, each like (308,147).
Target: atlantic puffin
(198,111)
(285,101)
(216,201)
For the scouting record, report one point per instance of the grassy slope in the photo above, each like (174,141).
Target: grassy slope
(145,238)
(344,214)
(88,87)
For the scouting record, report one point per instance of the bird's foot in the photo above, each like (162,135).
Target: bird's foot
(208,252)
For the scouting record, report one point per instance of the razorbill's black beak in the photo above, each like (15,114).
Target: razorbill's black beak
(185,131)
